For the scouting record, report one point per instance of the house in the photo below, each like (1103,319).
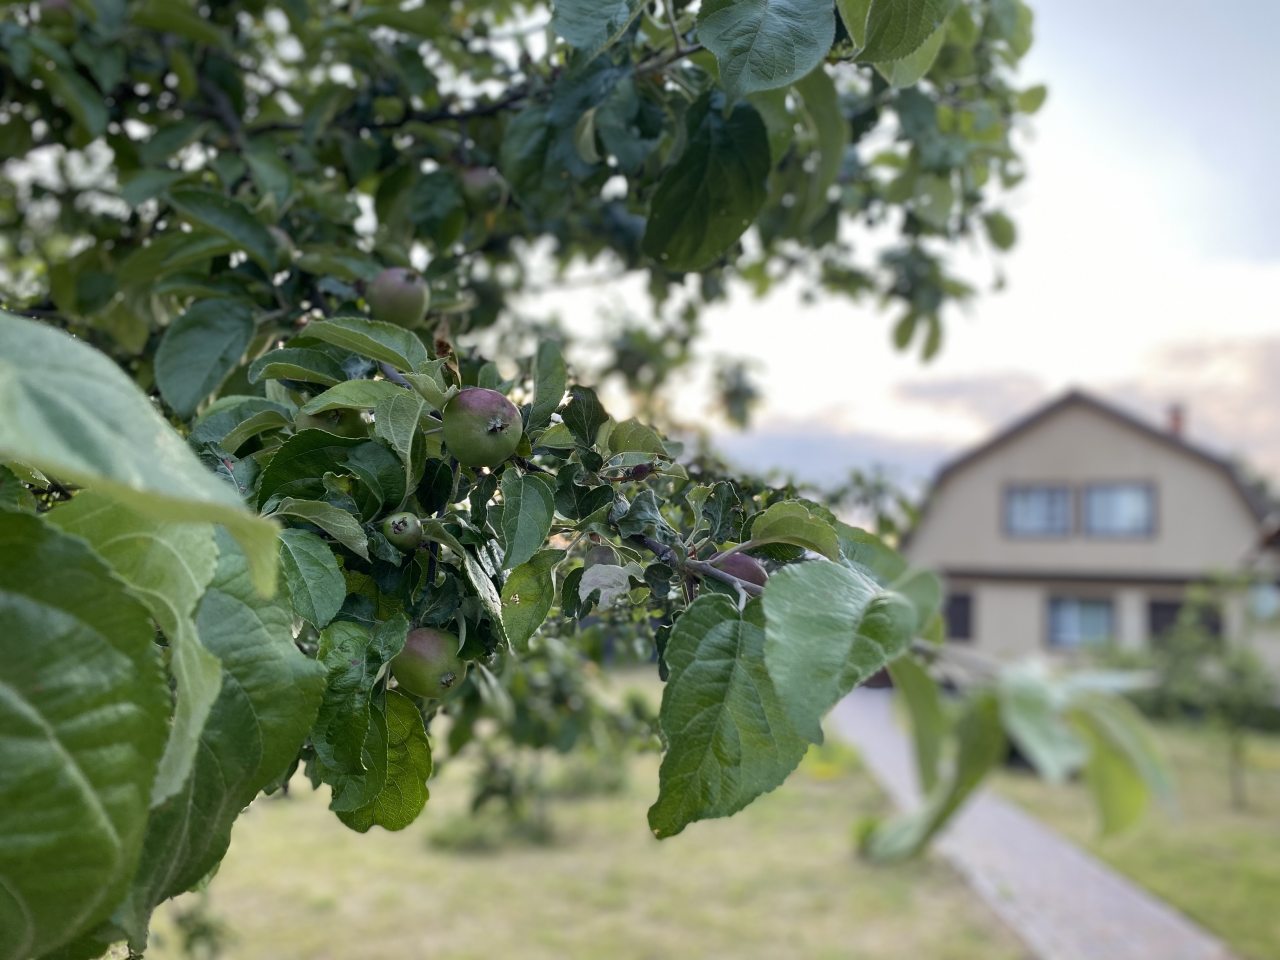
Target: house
(1083,525)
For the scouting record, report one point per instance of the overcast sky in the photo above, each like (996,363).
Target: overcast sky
(1148,267)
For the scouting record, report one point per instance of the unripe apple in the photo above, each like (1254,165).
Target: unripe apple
(429,665)
(400,296)
(484,189)
(743,567)
(341,423)
(404,530)
(481,427)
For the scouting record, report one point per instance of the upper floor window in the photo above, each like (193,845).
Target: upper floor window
(1037,511)
(1119,510)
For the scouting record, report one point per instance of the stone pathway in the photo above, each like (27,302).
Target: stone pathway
(1064,904)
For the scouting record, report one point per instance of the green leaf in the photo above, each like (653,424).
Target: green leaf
(706,201)
(334,521)
(171,252)
(270,171)
(78,96)
(897,28)
(713,192)
(1002,231)
(484,588)
(828,629)
(76,415)
(408,767)
(306,456)
(763,44)
(354,656)
(583,415)
(854,15)
(296,363)
(259,423)
(174,16)
(726,730)
(550,379)
(198,351)
(592,25)
(1124,769)
(370,338)
(830,133)
(1034,719)
(792,522)
(431,385)
(13,495)
(1032,99)
(352,395)
(929,726)
(528,505)
(914,66)
(227,218)
(83,710)
(980,746)
(268,699)
(527,596)
(634,436)
(311,574)
(395,420)
(166,566)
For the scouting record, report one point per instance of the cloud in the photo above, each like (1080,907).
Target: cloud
(1229,389)
(990,399)
(816,453)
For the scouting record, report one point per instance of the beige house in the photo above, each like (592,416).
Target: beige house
(1082,525)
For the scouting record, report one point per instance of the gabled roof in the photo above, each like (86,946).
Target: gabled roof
(1078,398)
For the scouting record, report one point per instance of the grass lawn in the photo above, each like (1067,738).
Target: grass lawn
(1217,865)
(777,881)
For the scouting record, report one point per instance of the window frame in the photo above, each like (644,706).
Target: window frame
(1012,489)
(1150,532)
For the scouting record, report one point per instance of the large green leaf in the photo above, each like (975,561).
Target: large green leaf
(1034,717)
(408,767)
(334,521)
(897,28)
(829,132)
(528,505)
(228,218)
(913,67)
(980,746)
(550,379)
(727,733)
(527,596)
(592,25)
(763,44)
(198,351)
(354,656)
(268,699)
(167,566)
(352,395)
(306,456)
(83,709)
(929,725)
(1124,769)
(370,338)
(311,574)
(77,416)
(792,522)
(706,201)
(829,628)
(297,363)
(395,420)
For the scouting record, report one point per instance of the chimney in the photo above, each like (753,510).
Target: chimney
(1177,420)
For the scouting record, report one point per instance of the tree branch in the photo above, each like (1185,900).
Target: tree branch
(699,568)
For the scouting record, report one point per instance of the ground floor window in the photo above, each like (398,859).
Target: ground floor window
(1162,617)
(959,612)
(1080,622)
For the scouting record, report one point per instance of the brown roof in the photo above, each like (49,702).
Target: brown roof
(1256,504)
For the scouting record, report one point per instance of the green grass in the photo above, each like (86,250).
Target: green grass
(778,880)
(1219,866)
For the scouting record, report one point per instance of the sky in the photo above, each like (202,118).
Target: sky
(1147,268)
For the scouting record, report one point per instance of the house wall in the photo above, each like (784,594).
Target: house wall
(1203,524)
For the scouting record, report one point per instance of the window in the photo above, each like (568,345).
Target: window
(1162,616)
(1119,510)
(1076,622)
(1037,511)
(959,613)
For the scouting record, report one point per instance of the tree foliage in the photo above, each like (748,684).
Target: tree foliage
(196,594)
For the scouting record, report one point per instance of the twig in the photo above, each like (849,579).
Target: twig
(699,568)
(443,115)
(392,374)
(658,63)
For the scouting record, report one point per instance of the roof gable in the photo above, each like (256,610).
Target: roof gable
(1079,399)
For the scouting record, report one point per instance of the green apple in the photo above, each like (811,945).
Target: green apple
(404,530)
(342,423)
(482,428)
(400,296)
(429,665)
